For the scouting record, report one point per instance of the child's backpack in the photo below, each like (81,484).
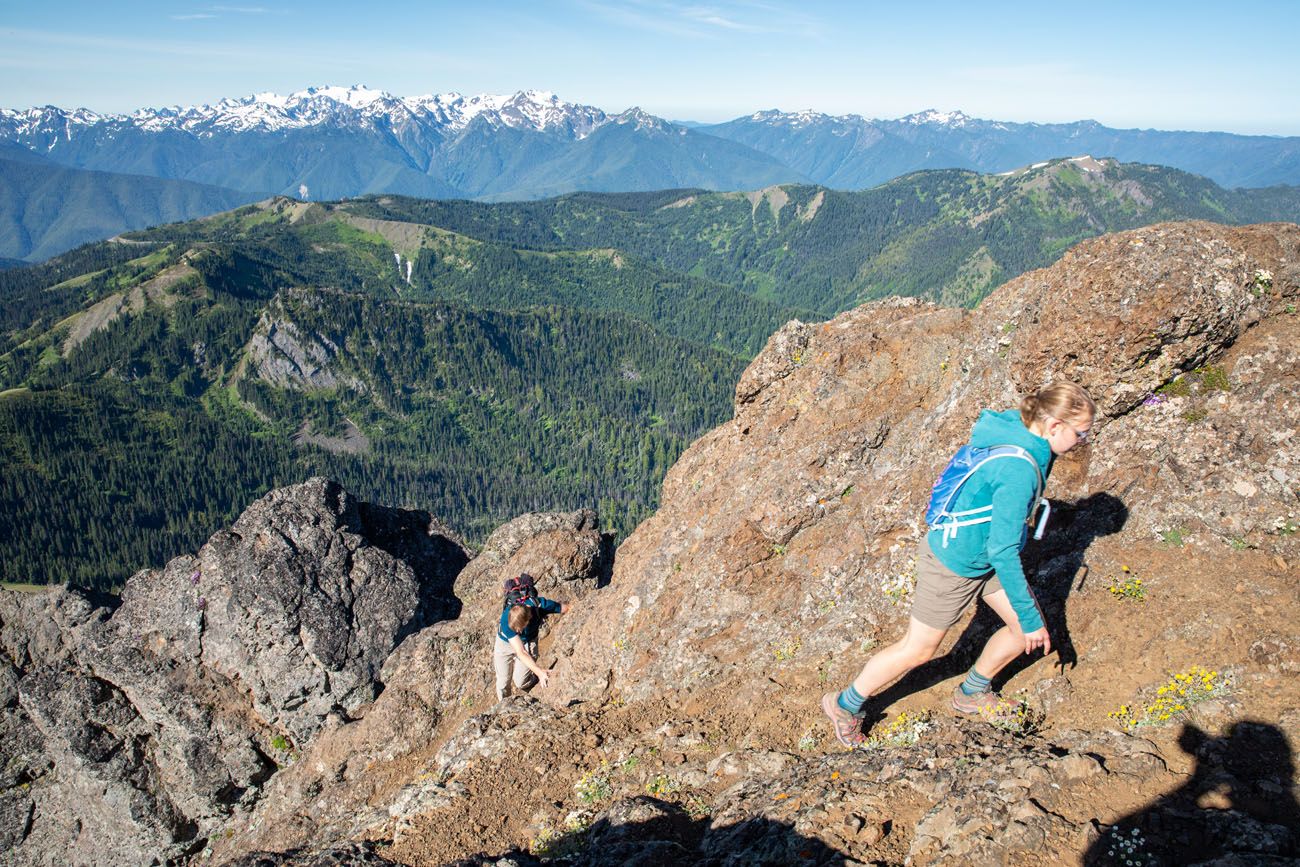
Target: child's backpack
(519,591)
(962,466)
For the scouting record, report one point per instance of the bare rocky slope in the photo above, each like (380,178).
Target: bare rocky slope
(313,686)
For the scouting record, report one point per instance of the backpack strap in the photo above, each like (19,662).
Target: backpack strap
(949,522)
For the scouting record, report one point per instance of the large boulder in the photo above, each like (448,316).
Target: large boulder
(299,602)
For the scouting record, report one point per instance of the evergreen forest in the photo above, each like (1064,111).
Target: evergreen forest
(476,361)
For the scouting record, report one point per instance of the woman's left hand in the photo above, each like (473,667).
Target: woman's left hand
(1038,638)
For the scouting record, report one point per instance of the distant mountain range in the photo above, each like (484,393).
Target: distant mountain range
(852,152)
(46,208)
(331,143)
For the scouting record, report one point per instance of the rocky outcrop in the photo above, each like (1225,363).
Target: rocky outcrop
(131,733)
(285,357)
(345,785)
(782,551)
(554,548)
(779,530)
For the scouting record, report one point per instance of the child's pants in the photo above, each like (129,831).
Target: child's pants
(503,658)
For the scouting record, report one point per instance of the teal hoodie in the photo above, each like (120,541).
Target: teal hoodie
(1009,484)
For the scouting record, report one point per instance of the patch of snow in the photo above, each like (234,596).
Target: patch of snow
(938,118)
(269,98)
(641,119)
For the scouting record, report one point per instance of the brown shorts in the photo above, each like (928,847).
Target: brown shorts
(941,595)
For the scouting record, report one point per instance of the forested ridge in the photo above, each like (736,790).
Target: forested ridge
(948,235)
(47,208)
(158,428)
(477,361)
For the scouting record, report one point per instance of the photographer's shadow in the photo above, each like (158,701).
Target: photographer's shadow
(1238,804)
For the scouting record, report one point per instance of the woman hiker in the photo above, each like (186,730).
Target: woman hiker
(973,548)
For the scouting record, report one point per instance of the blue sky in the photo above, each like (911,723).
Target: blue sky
(1187,65)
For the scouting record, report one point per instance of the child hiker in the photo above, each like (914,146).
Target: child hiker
(978,517)
(516,644)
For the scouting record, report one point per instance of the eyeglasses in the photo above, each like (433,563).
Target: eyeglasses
(1084,436)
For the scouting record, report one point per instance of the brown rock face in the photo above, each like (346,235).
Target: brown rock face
(779,529)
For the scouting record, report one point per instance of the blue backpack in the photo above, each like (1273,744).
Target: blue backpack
(962,466)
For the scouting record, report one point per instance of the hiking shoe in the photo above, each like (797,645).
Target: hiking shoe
(980,702)
(847,727)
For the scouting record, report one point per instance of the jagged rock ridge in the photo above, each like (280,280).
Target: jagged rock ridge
(131,733)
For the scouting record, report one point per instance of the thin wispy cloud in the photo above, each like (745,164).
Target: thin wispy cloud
(749,17)
(695,21)
(220,11)
(712,17)
(638,19)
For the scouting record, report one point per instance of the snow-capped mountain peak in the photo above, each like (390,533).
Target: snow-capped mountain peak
(808,117)
(939,118)
(356,96)
(536,110)
(795,119)
(49,119)
(642,120)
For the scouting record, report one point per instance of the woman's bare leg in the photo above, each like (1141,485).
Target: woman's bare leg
(917,646)
(1005,644)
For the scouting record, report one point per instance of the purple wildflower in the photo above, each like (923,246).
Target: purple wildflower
(203,603)
(194,579)
(1153,400)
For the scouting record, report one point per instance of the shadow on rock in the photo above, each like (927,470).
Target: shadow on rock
(648,832)
(608,550)
(432,550)
(1054,563)
(637,832)
(356,854)
(1236,809)
(1059,565)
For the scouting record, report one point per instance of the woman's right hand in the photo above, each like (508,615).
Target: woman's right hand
(1038,638)
(543,677)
